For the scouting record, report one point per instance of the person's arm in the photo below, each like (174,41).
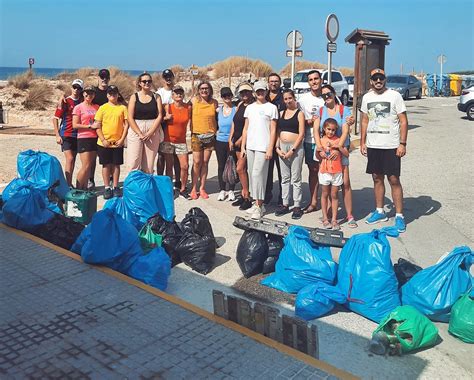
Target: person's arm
(190,114)
(168,116)
(191,102)
(98,125)
(273,127)
(122,138)
(402,148)
(317,134)
(157,122)
(131,117)
(231,136)
(344,151)
(58,114)
(364,122)
(243,145)
(346,123)
(76,125)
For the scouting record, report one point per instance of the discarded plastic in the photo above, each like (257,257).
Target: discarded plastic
(120,207)
(252,251)
(275,245)
(461,324)
(149,239)
(317,299)
(60,231)
(152,269)
(405,270)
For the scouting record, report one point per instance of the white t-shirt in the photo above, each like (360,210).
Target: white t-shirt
(309,105)
(165,95)
(383,131)
(258,133)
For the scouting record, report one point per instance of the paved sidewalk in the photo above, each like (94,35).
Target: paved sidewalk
(60,318)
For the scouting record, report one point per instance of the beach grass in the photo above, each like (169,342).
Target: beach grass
(22,81)
(38,97)
(237,66)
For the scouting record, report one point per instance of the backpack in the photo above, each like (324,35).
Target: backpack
(341,110)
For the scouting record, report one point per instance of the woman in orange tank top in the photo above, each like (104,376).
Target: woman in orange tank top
(203,137)
(178,121)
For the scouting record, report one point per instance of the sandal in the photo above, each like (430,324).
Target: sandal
(351,223)
(336,226)
(326,224)
(203,194)
(193,195)
(310,209)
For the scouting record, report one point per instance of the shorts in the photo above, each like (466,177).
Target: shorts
(110,156)
(198,146)
(87,145)
(344,160)
(173,148)
(383,161)
(69,143)
(309,153)
(326,179)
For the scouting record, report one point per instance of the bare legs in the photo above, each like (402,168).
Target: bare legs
(243,175)
(396,187)
(88,160)
(200,169)
(70,156)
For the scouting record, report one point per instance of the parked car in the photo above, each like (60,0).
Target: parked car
(338,81)
(466,102)
(406,85)
(350,83)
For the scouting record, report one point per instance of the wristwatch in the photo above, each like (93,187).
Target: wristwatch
(293,150)
(403,143)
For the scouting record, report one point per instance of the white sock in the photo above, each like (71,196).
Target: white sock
(107,187)
(380,210)
(398,215)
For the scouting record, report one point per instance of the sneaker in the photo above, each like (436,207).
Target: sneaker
(297,213)
(230,196)
(90,185)
(117,192)
(184,194)
(246,204)
(376,217)
(238,202)
(221,195)
(400,224)
(282,210)
(108,193)
(258,212)
(251,209)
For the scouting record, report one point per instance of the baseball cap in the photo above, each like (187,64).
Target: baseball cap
(112,89)
(377,71)
(89,89)
(245,86)
(259,85)
(104,73)
(225,91)
(78,82)
(178,88)
(167,74)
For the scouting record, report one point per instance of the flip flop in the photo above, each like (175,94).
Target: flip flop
(326,224)
(310,209)
(203,194)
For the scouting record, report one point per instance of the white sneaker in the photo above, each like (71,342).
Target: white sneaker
(251,209)
(258,212)
(230,196)
(221,195)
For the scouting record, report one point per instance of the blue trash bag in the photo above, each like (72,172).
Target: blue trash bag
(109,240)
(153,269)
(366,276)
(148,194)
(43,170)
(26,210)
(119,206)
(301,262)
(317,299)
(19,185)
(434,290)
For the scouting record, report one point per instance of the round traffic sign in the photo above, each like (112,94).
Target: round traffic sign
(298,41)
(442,59)
(332,27)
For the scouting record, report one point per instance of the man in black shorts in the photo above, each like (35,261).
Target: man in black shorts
(383,139)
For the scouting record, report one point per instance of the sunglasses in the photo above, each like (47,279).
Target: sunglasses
(204,89)
(104,78)
(147,81)
(77,87)
(89,93)
(227,96)
(378,78)
(326,96)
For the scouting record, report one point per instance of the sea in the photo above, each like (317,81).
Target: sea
(47,72)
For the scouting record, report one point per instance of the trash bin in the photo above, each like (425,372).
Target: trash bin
(455,84)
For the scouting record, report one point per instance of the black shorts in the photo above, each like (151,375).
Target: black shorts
(110,156)
(383,161)
(69,143)
(87,145)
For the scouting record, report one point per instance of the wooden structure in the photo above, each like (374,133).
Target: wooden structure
(266,320)
(369,54)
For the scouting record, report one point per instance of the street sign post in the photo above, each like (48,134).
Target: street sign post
(332,32)
(441,60)
(294,40)
(31,62)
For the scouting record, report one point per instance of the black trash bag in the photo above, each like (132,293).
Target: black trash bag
(196,221)
(60,231)
(275,245)
(405,270)
(171,235)
(197,252)
(252,252)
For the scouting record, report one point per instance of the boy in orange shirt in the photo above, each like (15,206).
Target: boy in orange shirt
(330,171)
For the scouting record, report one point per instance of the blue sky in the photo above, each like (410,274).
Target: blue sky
(155,34)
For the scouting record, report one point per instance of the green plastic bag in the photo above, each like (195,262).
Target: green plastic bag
(412,329)
(461,324)
(149,239)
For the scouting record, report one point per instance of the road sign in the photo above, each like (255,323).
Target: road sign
(331,47)
(442,59)
(332,27)
(298,40)
(195,72)
(31,61)
(298,53)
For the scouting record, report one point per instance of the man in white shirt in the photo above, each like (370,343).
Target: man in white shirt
(383,139)
(310,103)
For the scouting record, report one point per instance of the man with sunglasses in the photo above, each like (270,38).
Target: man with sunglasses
(383,139)
(66,135)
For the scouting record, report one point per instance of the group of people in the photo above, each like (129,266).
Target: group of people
(267,127)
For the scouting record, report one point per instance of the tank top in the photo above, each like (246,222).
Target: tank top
(176,128)
(289,125)
(239,121)
(225,124)
(145,111)
(204,117)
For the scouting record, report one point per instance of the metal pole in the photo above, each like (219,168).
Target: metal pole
(329,67)
(293,59)
(441,73)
